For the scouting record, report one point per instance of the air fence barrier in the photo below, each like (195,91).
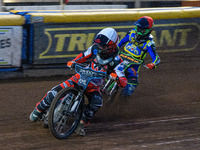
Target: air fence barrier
(50,38)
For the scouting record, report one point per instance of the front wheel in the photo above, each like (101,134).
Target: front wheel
(65,113)
(110,89)
(112,96)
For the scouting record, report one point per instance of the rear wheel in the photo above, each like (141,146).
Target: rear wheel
(63,119)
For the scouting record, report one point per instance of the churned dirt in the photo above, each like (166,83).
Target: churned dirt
(162,114)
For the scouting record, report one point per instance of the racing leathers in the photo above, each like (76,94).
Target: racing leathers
(112,64)
(133,55)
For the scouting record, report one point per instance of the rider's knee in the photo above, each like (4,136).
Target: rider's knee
(95,99)
(128,90)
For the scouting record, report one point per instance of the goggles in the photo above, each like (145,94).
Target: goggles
(141,31)
(103,48)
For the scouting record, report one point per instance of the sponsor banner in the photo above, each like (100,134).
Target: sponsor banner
(10,46)
(58,43)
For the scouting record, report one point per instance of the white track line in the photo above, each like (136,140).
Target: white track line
(158,121)
(177,141)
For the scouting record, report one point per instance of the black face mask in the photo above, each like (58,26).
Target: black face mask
(104,51)
(141,38)
(142,34)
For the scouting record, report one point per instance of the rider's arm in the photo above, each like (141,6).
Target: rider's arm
(81,58)
(122,81)
(124,40)
(155,58)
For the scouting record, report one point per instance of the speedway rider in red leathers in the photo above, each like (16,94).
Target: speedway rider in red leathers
(103,56)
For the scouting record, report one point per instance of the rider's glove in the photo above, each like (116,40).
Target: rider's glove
(113,76)
(151,65)
(121,81)
(70,64)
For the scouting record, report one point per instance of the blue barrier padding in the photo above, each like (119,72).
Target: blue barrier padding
(22,13)
(27,19)
(31,32)
(9,69)
(24,46)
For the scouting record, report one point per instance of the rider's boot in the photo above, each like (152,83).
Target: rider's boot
(80,129)
(35,115)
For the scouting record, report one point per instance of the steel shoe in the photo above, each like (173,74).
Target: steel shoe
(35,115)
(80,129)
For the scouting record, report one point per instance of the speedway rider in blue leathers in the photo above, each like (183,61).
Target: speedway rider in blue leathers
(139,42)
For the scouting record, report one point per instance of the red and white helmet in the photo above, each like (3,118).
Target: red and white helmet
(106,40)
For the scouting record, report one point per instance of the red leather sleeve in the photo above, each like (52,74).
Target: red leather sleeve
(81,58)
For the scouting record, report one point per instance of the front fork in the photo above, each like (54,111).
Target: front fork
(109,87)
(77,102)
(70,104)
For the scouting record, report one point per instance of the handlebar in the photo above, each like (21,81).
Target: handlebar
(145,66)
(80,64)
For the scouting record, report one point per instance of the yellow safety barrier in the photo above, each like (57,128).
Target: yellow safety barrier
(115,15)
(11,20)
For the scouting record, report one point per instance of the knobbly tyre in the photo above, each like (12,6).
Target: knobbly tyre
(110,88)
(67,107)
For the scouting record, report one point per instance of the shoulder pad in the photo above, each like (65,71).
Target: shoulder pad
(150,36)
(88,51)
(150,42)
(132,31)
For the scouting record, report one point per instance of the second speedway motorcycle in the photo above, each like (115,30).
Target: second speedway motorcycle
(110,88)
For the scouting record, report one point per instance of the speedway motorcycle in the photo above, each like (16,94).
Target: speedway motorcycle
(68,105)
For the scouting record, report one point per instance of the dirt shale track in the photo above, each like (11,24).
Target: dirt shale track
(163,113)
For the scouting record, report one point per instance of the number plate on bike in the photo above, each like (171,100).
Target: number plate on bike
(89,72)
